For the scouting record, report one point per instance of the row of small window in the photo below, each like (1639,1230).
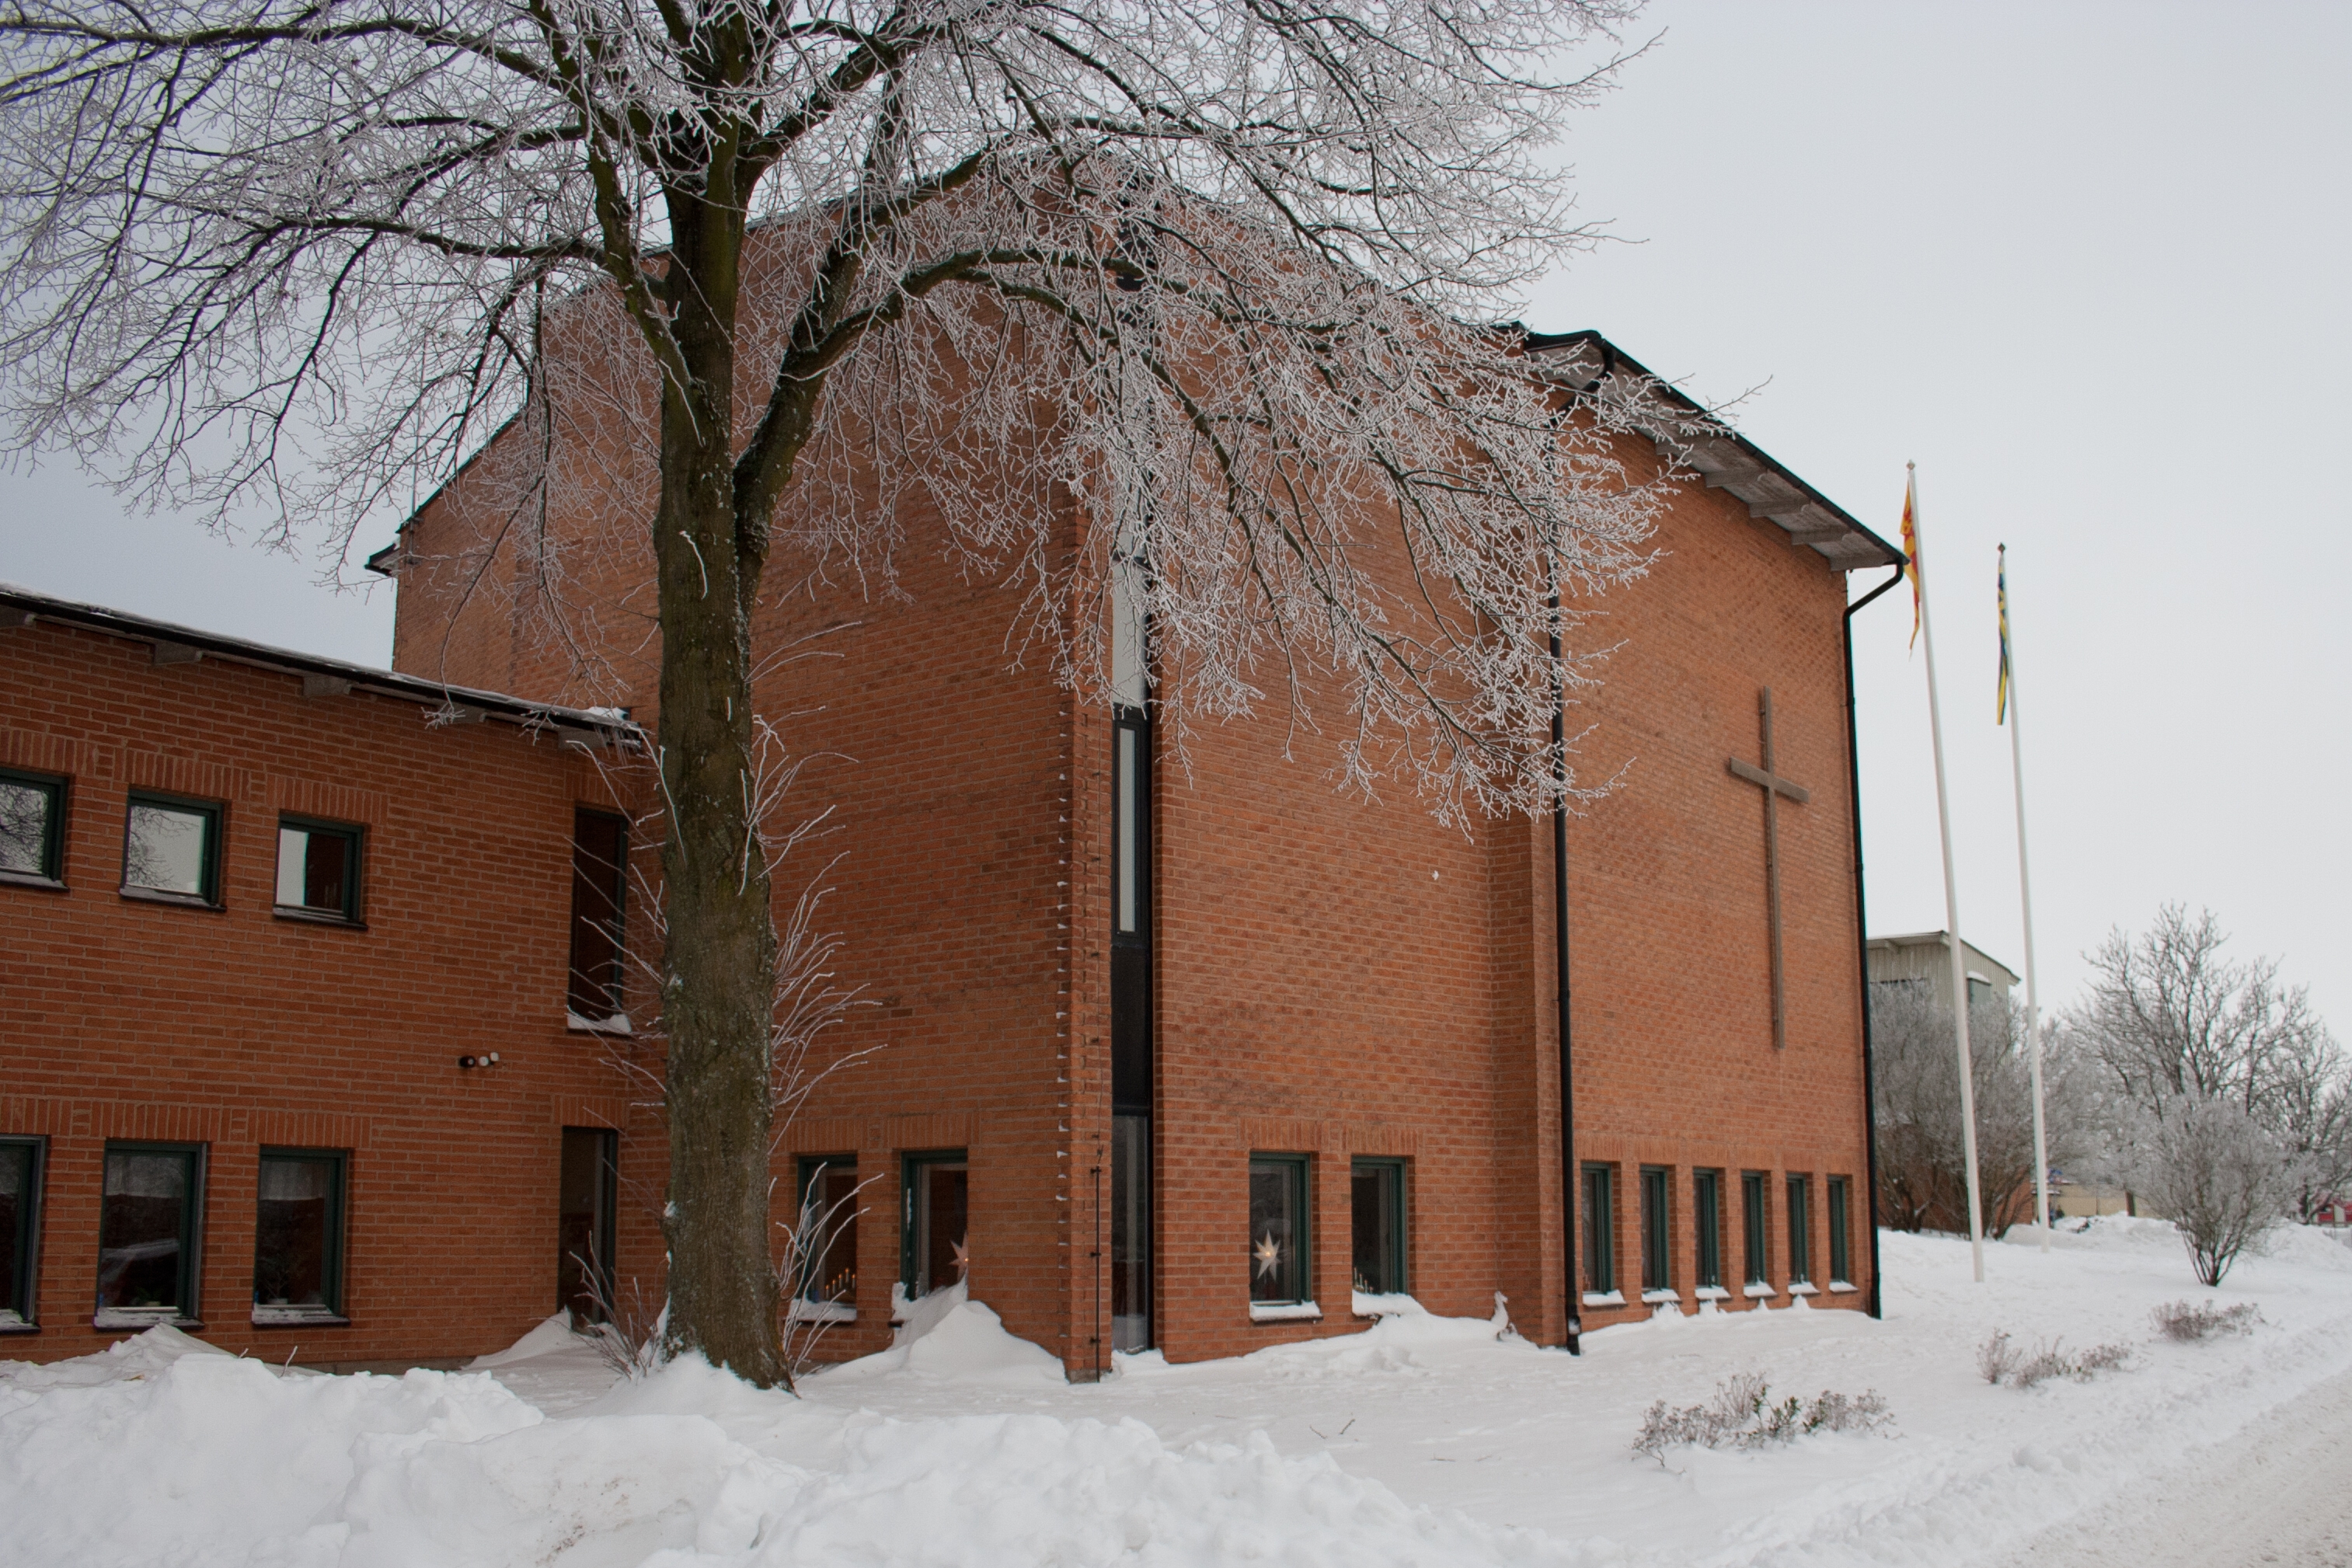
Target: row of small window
(1708,1191)
(935,1197)
(171,849)
(149,1234)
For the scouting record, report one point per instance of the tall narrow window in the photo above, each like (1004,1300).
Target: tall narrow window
(585,1188)
(1130,1028)
(318,870)
(1280,1246)
(298,1240)
(1377,1210)
(935,1248)
(20,1231)
(1599,1230)
(1801,1228)
(32,827)
(1707,1215)
(147,1233)
(171,848)
(1841,1247)
(1657,1228)
(599,860)
(828,1222)
(1754,1222)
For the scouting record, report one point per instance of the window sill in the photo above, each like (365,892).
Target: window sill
(1759,1291)
(298,1317)
(575,1024)
(1604,1298)
(117,1317)
(10,1323)
(300,916)
(180,900)
(1843,1288)
(1653,1298)
(1284,1312)
(822,1312)
(39,884)
(1803,1288)
(1712,1293)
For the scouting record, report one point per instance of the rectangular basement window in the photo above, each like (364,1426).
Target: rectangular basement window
(1281,1233)
(1600,1231)
(828,1218)
(1706,1206)
(1377,1217)
(149,1229)
(1755,1223)
(1841,1189)
(1800,1231)
(20,1231)
(298,1239)
(1657,1231)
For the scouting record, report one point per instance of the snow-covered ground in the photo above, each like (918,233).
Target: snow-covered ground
(1422,1441)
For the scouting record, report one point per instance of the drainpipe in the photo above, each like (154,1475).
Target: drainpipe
(1568,1172)
(1862,941)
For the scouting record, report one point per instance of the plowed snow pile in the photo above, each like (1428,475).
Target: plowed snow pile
(1424,1440)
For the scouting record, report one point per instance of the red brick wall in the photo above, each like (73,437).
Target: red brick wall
(234,1028)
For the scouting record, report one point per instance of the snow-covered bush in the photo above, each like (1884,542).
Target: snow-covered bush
(2188,1323)
(2223,1178)
(1999,1360)
(1742,1415)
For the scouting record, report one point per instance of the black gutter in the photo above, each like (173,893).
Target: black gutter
(436,697)
(1861,940)
(1568,1173)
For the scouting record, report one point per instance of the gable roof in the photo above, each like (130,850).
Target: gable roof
(1727,461)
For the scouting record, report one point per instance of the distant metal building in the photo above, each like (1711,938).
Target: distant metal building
(1924,958)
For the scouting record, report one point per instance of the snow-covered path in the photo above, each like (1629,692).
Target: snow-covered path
(2272,1496)
(1423,1443)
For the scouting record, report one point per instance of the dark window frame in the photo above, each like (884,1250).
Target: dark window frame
(584,997)
(188,1312)
(215,847)
(1840,1191)
(812,1168)
(1299,1173)
(1756,1227)
(1657,1228)
(335,1312)
(1400,1259)
(1598,1197)
(1798,1199)
(51,877)
(1126,722)
(354,837)
(26,1266)
(1706,1225)
(911,1163)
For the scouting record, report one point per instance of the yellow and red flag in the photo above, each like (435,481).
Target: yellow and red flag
(2001,580)
(1911,548)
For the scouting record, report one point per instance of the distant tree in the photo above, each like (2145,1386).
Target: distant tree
(1922,1161)
(1219,276)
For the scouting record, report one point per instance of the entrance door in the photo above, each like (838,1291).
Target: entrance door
(583,1242)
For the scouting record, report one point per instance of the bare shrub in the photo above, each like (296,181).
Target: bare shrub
(2000,1360)
(2187,1322)
(627,1335)
(1743,1415)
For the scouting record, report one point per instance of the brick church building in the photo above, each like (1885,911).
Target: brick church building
(1187,1053)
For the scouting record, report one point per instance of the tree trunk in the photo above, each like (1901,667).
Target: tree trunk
(718,1008)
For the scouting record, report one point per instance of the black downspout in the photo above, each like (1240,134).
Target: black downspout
(1861,940)
(1568,1173)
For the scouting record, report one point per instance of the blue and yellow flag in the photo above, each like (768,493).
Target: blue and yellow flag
(2001,580)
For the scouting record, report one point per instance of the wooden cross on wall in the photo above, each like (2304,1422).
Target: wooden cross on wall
(1774,787)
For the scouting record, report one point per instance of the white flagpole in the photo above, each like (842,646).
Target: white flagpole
(1951,895)
(2025,895)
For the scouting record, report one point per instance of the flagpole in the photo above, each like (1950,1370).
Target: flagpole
(2025,897)
(1951,898)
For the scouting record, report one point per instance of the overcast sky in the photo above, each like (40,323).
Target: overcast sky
(2087,264)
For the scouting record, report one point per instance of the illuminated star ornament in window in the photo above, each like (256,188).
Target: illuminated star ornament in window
(1268,1253)
(962,1259)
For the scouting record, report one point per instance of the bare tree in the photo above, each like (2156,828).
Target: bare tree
(1923,1173)
(2177,1023)
(2219,1174)
(1195,275)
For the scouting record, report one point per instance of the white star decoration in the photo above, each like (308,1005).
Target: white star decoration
(1268,1253)
(962,1259)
